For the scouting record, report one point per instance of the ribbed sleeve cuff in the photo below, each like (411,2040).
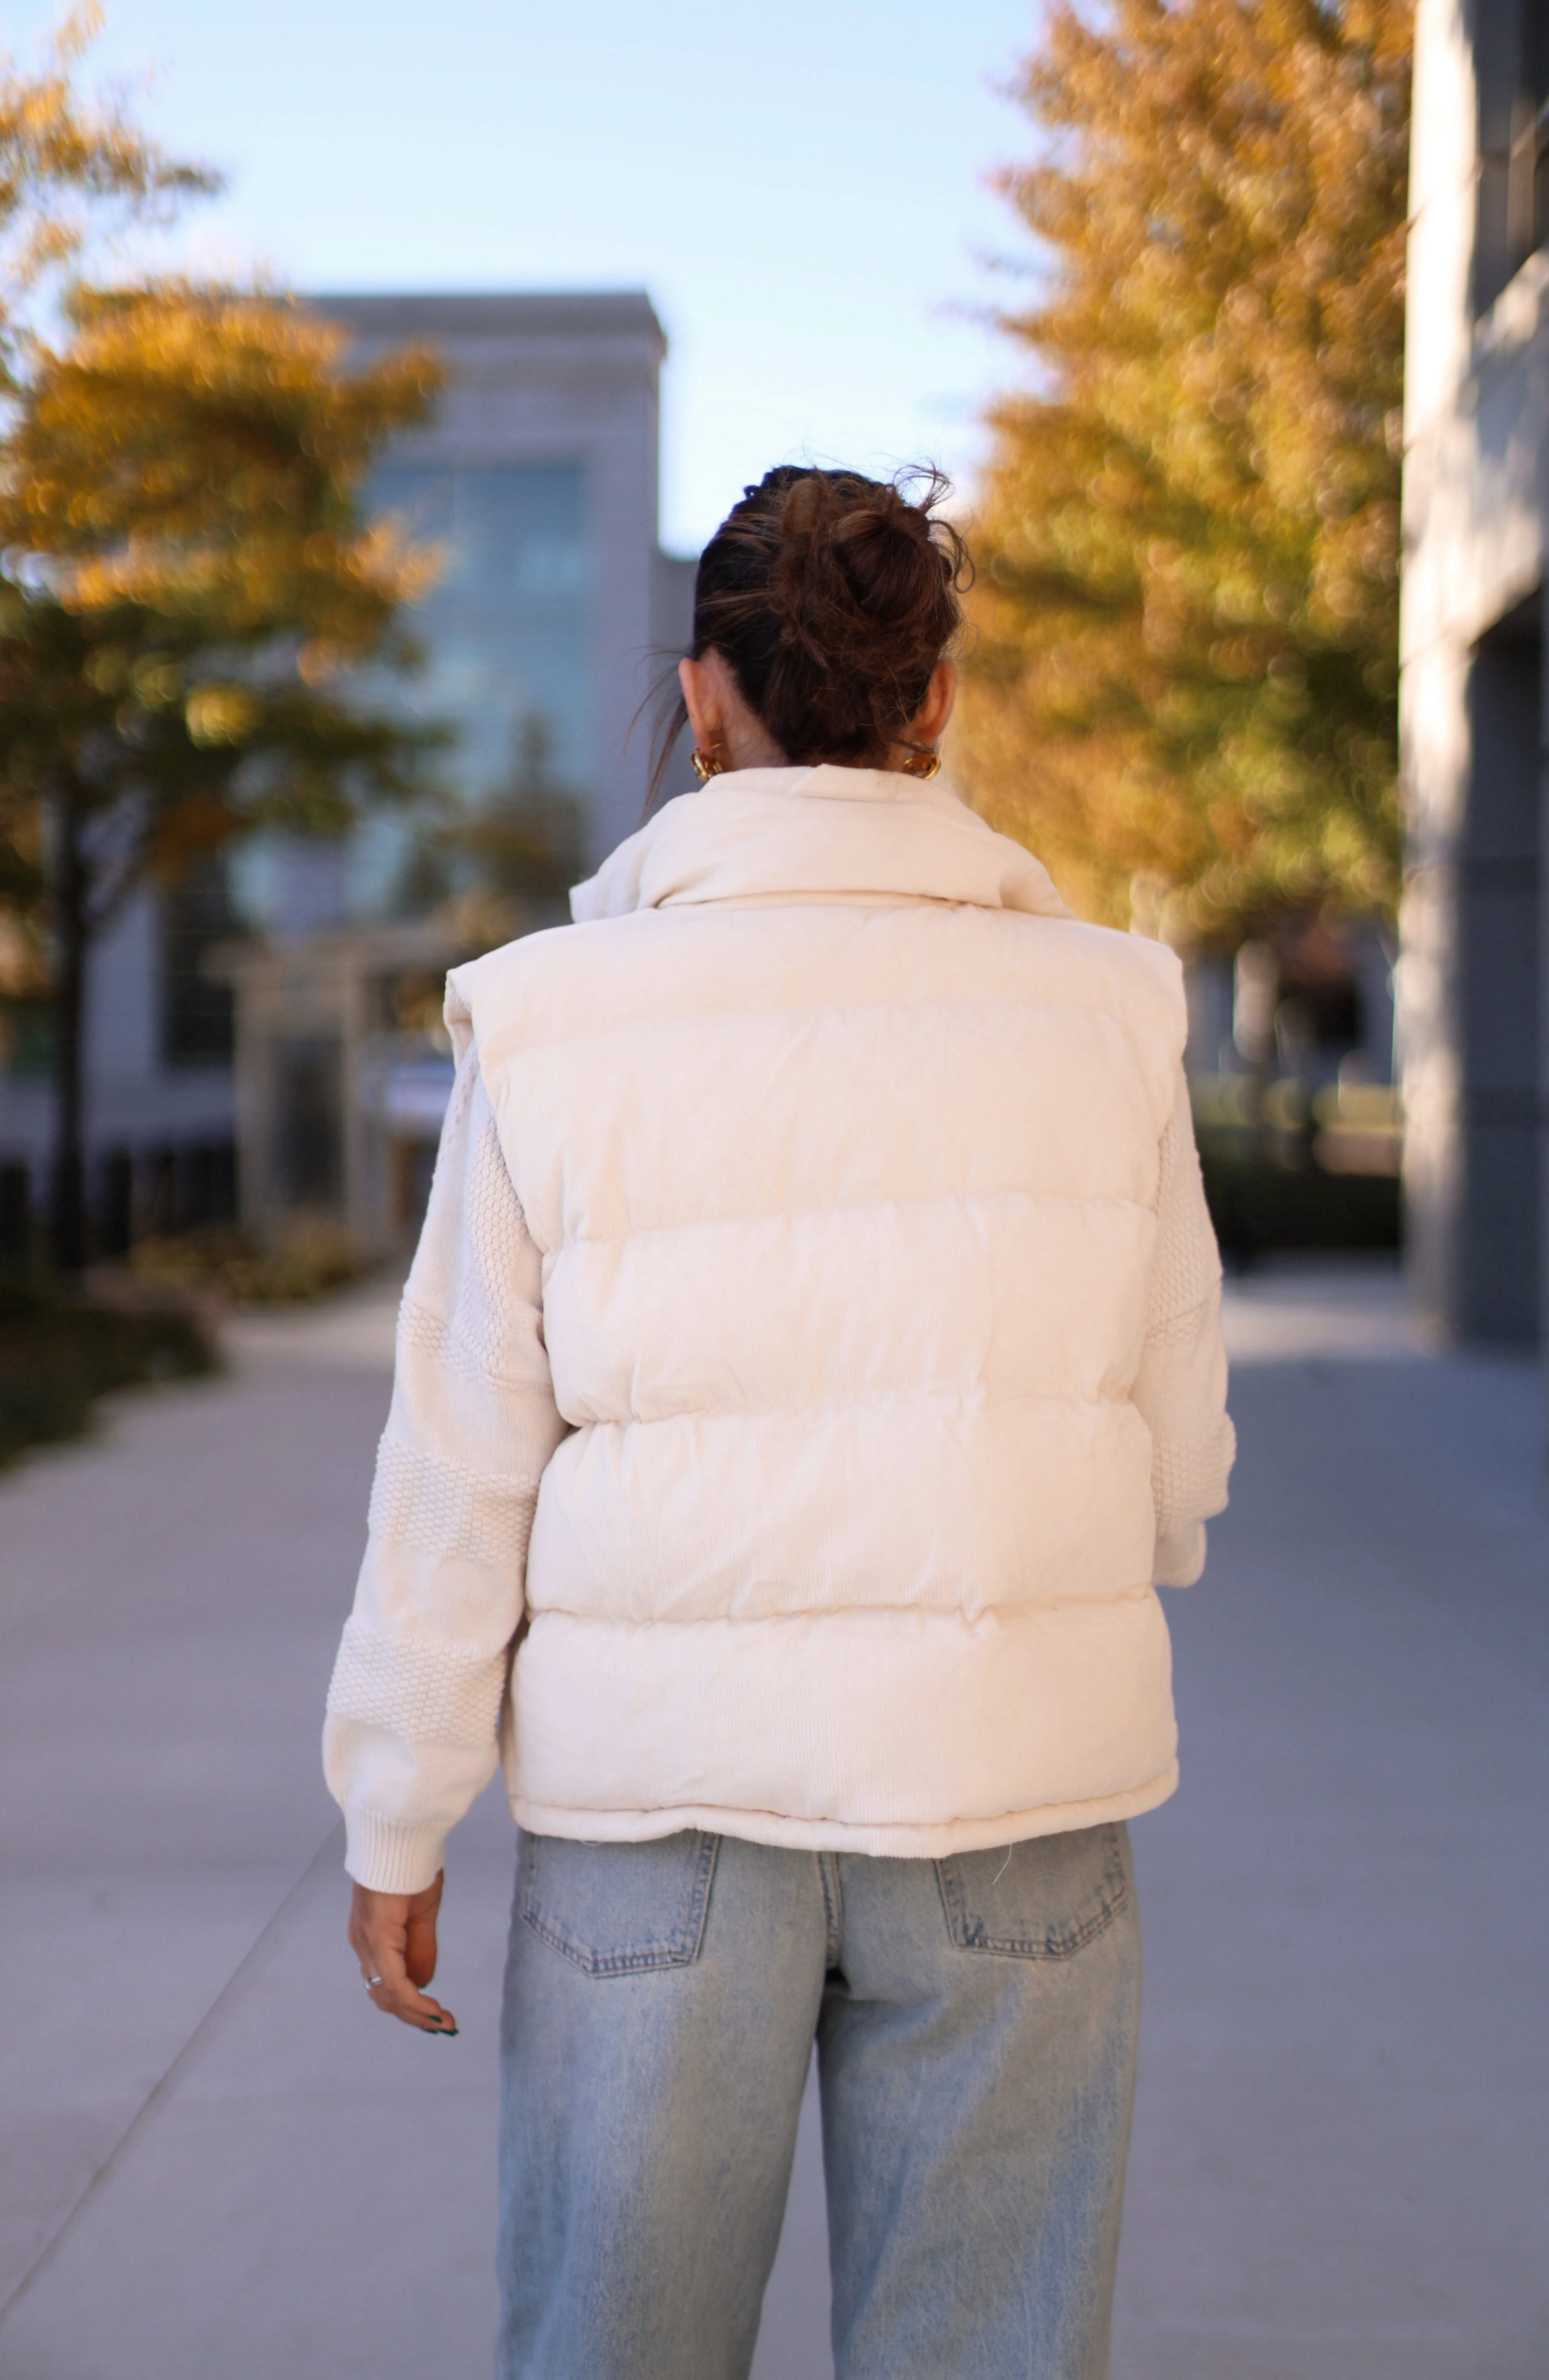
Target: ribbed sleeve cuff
(1181,1555)
(386,1855)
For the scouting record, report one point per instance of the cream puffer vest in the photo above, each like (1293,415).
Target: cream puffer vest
(839,1140)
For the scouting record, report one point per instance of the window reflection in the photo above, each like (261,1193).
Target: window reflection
(504,640)
(504,630)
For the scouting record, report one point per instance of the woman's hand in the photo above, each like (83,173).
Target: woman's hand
(393,1935)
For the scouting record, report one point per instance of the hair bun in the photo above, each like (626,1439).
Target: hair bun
(833,597)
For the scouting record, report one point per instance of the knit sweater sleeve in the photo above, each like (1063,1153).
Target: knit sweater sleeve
(1181,1386)
(411,1735)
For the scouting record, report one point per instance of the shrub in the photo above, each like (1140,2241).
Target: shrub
(1259,1207)
(310,1261)
(59,1352)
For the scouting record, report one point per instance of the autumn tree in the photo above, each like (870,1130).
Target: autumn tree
(71,168)
(509,859)
(1185,672)
(73,171)
(189,592)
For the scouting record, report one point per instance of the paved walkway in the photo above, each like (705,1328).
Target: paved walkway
(220,2164)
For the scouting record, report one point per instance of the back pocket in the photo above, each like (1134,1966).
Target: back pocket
(618,1909)
(1046,1899)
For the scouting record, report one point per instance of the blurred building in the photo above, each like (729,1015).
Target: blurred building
(1472,999)
(538,481)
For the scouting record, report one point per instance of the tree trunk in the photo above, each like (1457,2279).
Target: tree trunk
(67,1193)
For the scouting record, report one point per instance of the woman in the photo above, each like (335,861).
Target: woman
(810,1364)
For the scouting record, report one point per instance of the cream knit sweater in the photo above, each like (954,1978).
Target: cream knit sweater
(811,1360)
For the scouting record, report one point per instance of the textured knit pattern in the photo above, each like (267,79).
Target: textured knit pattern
(811,1357)
(413,1707)
(1187,1270)
(1180,1386)
(424,1693)
(442,1508)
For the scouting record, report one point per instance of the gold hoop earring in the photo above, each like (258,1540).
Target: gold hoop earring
(706,764)
(921,761)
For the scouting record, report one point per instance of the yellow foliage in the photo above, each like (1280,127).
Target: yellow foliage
(1185,665)
(183,563)
(183,566)
(196,452)
(222,714)
(68,165)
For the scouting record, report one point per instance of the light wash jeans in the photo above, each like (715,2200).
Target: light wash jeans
(975,2020)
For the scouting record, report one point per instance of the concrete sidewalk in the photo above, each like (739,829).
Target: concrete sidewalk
(220,2163)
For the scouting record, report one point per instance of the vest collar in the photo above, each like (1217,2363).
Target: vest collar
(825,833)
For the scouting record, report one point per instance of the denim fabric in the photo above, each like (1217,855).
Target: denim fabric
(975,2020)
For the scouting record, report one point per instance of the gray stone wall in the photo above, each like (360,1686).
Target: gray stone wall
(1471,977)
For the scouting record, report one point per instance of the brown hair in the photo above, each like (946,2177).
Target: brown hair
(832,597)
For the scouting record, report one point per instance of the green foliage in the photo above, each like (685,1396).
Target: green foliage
(1259,1208)
(57,1355)
(501,864)
(1186,662)
(525,837)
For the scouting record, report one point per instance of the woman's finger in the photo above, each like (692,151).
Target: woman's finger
(380,1926)
(411,2006)
(391,1990)
(419,1946)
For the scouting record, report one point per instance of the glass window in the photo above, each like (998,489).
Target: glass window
(504,630)
(197,1014)
(504,636)
(1511,61)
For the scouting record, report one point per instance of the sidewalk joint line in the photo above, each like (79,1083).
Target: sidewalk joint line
(161,2091)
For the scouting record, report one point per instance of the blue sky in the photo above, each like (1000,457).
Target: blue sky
(801,190)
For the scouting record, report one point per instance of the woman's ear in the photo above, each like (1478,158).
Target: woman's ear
(929,723)
(700,701)
(721,722)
